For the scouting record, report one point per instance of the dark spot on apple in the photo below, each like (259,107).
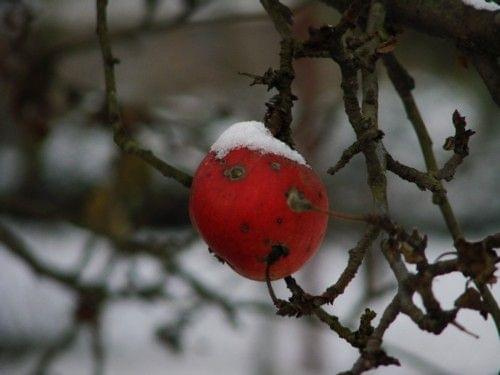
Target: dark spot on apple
(245,227)
(235,173)
(216,256)
(279,220)
(320,194)
(277,251)
(275,166)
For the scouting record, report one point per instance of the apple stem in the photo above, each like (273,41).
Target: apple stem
(277,252)
(299,203)
(269,286)
(346,216)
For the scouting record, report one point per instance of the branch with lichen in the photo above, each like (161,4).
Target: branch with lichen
(278,117)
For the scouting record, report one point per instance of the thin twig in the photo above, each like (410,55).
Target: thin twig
(55,350)
(185,21)
(356,256)
(97,346)
(278,116)
(354,149)
(121,138)
(372,356)
(487,66)
(404,83)
(16,246)
(422,180)
(270,289)
(375,157)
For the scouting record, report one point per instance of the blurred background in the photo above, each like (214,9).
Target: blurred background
(135,289)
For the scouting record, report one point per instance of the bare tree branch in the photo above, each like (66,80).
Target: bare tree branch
(278,117)
(452,19)
(422,180)
(122,139)
(488,68)
(357,147)
(356,256)
(403,83)
(473,30)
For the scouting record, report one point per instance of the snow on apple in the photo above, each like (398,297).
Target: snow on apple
(238,202)
(253,135)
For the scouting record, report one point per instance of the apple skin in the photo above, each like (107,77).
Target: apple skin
(238,203)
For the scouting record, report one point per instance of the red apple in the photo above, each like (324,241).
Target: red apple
(238,203)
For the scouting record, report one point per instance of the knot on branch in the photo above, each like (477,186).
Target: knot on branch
(459,143)
(111,60)
(478,260)
(88,307)
(412,245)
(299,304)
(324,37)
(285,308)
(278,116)
(171,337)
(321,38)
(378,358)
(365,324)
(416,245)
(278,79)
(322,42)
(436,322)
(471,299)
